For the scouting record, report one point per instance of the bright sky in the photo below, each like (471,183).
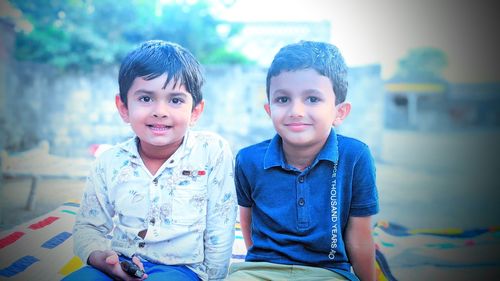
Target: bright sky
(382,31)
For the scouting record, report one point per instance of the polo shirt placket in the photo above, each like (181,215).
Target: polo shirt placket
(302,202)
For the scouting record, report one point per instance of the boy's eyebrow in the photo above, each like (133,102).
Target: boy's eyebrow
(178,94)
(142,91)
(313,91)
(308,91)
(280,91)
(148,92)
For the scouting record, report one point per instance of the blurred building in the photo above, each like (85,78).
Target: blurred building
(413,104)
(435,105)
(474,105)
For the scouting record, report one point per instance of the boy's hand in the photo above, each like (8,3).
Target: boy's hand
(109,263)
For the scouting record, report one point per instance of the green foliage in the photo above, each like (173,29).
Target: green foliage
(79,34)
(424,63)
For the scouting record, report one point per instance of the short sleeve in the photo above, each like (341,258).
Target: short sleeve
(243,189)
(364,190)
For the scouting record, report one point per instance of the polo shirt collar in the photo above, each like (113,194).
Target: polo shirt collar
(275,156)
(330,151)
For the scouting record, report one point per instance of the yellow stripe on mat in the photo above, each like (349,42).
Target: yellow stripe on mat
(73,264)
(380,273)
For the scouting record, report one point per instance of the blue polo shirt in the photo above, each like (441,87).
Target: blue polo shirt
(300,217)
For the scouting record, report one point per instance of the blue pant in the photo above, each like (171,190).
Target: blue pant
(154,271)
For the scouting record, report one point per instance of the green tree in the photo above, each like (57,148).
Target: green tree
(424,63)
(78,34)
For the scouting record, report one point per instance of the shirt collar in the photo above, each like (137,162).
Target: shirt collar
(130,147)
(330,150)
(275,156)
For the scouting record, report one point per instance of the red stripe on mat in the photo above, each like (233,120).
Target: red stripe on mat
(43,223)
(11,238)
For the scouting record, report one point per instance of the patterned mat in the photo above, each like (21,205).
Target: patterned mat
(42,249)
(438,254)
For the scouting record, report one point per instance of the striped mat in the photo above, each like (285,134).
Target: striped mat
(42,249)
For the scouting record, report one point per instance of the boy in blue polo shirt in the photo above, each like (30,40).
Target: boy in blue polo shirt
(307,195)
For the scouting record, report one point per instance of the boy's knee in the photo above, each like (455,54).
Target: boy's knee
(238,271)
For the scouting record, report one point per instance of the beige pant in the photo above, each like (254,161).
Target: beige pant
(260,271)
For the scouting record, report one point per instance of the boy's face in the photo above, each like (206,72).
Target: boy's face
(159,117)
(302,108)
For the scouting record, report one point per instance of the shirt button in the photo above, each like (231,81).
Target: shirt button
(152,221)
(142,244)
(301,179)
(155,181)
(301,202)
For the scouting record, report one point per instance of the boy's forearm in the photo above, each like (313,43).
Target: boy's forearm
(363,260)
(360,247)
(245,223)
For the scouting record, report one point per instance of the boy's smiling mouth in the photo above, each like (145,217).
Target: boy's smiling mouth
(297,126)
(158,127)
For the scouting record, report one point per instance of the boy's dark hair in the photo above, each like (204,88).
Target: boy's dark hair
(156,57)
(323,57)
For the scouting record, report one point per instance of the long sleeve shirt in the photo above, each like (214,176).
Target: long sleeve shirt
(188,207)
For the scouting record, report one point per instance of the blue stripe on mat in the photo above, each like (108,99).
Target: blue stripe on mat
(234,256)
(56,240)
(71,204)
(18,266)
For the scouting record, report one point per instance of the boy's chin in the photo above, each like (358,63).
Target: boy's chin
(160,143)
(297,141)
(302,140)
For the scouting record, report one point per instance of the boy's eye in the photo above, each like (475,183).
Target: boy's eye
(145,99)
(313,99)
(177,100)
(282,99)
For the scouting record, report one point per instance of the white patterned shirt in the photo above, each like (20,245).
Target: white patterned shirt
(188,207)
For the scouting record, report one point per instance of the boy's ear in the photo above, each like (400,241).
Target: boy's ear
(196,112)
(267,109)
(122,108)
(343,110)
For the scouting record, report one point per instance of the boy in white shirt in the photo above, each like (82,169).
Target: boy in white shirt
(164,199)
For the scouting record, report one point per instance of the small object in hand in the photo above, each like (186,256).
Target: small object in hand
(132,269)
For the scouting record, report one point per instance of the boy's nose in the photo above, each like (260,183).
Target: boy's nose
(297,109)
(160,110)
(159,115)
